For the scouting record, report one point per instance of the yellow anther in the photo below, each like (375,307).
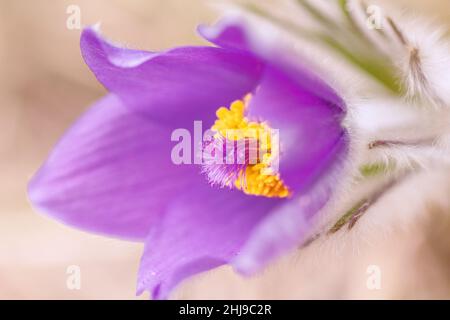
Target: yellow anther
(256,179)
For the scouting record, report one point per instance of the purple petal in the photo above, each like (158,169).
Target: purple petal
(264,42)
(111,173)
(289,98)
(292,223)
(310,128)
(314,146)
(204,228)
(176,86)
(231,34)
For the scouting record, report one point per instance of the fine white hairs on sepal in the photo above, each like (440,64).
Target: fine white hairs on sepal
(392,132)
(425,62)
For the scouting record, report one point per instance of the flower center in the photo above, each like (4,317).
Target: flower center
(241,154)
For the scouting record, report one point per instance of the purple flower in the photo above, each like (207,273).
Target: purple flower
(112,172)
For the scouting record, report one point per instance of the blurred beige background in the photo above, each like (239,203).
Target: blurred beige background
(45,86)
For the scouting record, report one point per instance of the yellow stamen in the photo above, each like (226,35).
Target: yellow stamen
(254,179)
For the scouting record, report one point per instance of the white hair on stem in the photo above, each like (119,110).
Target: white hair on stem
(424,61)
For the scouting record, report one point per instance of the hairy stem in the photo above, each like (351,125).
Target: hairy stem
(352,216)
(396,143)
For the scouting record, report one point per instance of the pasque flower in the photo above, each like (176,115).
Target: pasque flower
(112,172)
